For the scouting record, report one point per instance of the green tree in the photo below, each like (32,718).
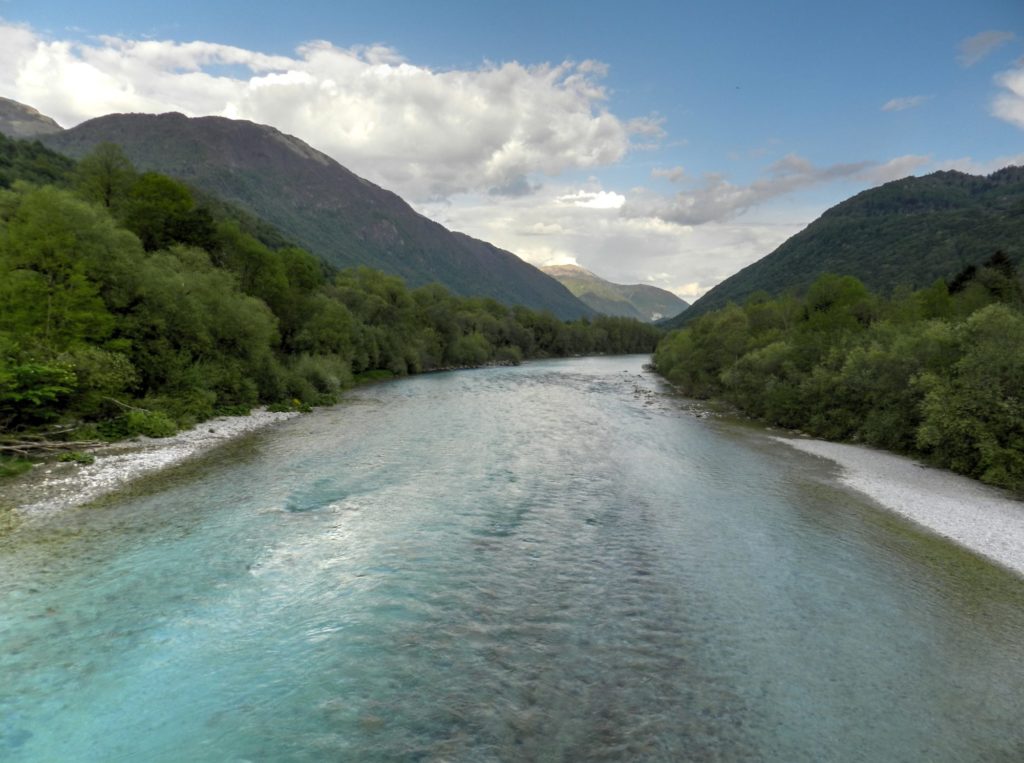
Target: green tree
(974,419)
(105,176)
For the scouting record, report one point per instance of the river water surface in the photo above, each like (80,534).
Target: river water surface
(555,562)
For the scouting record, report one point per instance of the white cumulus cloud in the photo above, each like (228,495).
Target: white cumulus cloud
(593,199)
(422,132)
(1009,103)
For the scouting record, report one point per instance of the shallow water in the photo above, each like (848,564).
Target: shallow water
(550,562)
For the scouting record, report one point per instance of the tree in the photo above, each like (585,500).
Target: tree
(105,176)
(974,418)
(46,295)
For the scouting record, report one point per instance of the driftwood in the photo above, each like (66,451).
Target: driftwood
(126,406)
(40,444)
(41,447)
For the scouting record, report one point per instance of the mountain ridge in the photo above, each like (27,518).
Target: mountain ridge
(317,202)
(907,232)
(18,120)
(641,301)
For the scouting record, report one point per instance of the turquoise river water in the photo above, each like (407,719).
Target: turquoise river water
(554,562)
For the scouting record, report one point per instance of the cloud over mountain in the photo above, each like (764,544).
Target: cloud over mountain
(368,107)
(1009,102)
(717,199)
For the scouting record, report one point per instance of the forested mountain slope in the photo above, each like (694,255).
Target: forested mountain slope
(316,202)
(908,232)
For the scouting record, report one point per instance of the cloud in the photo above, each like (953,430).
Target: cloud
(672,174)
(424,133)
(650,129)
(902,104)
(517,186)
(549,228)
(719,200)
(894,169)
(1009,104)
(593,199)
(690,292)
(976,47)
(973,167)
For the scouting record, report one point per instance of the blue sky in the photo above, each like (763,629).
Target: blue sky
(665,142)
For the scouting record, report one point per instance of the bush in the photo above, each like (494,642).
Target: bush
(232,410)
(188,407)
(77,457)
(290,406)
(150,423)
(12,467)
(324,377)
(509,354)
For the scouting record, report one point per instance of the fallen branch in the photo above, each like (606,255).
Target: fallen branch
(37,447)
(126,406)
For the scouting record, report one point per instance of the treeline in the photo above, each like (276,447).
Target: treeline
(127,307)
(937,373)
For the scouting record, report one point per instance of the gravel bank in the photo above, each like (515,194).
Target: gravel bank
(983,519)
(55,486)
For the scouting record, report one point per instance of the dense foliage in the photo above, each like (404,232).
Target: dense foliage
(128,306)
(22,160)
(937,373)
(905,233)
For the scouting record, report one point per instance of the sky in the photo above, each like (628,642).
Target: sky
(670,143)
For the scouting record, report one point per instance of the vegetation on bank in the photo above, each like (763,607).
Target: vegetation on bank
(937,373)
(127,307)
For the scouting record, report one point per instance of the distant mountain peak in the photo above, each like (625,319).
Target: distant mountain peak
(641,301)
(18,120)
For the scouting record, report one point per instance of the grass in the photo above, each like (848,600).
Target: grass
(12,467)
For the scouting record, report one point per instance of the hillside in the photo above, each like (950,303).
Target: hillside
(640,301)
(20,121)
(908,232)
(316,202)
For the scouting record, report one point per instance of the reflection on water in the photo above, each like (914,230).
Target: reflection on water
(551,562)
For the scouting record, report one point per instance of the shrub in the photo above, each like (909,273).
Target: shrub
(77,457)
(150,423)
(12,467)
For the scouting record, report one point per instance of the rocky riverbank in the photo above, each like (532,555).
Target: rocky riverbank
(55,486)
(985,520)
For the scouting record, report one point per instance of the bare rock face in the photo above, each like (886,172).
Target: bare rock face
(20,121)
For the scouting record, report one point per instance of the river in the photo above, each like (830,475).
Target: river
(553,562)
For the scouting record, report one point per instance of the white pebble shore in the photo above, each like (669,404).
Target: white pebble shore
(985,520)
(53,487)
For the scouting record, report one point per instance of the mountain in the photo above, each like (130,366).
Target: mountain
(316,202)
(909,232)
(640,301)
(20,121)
